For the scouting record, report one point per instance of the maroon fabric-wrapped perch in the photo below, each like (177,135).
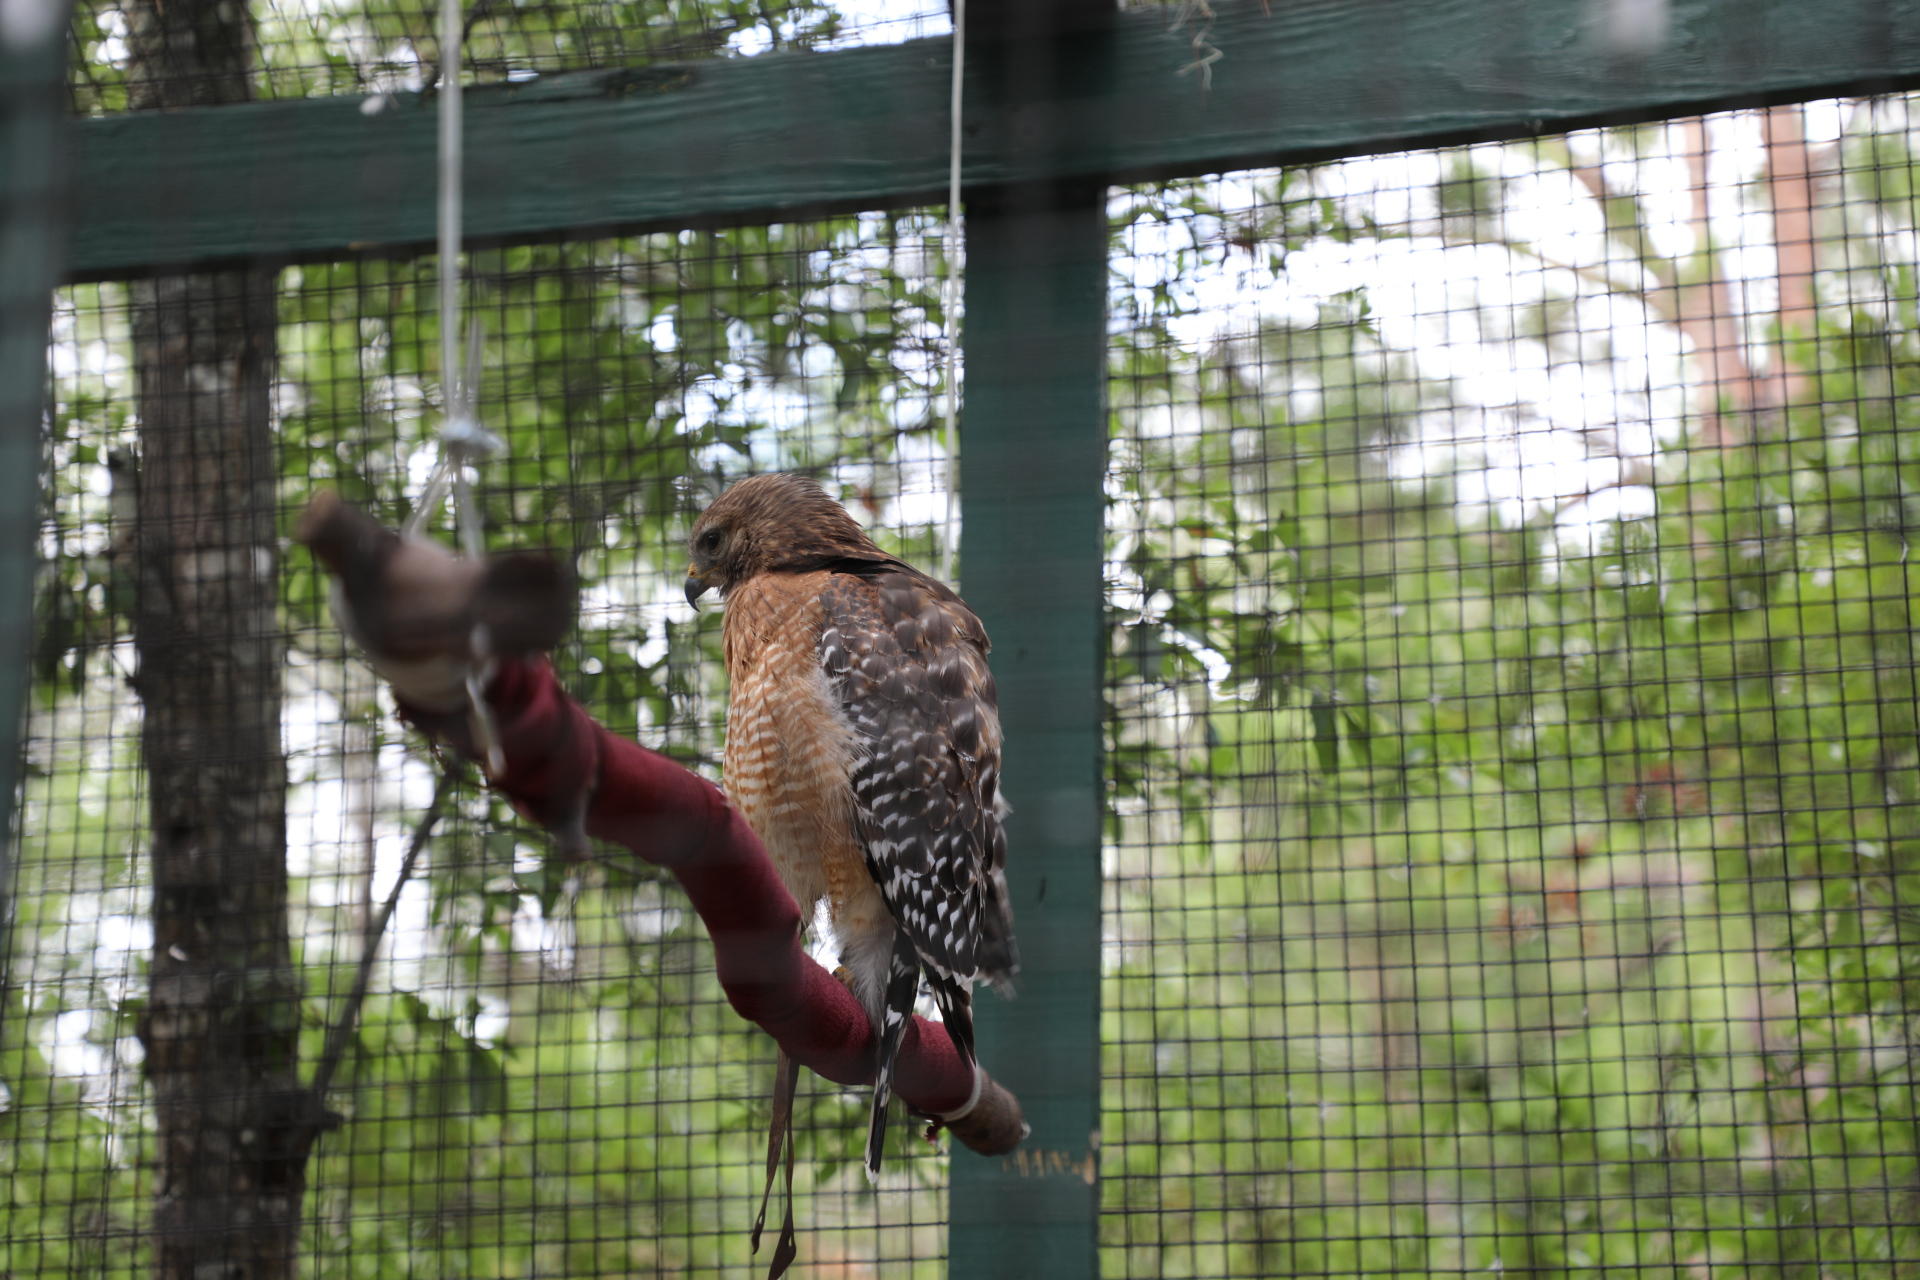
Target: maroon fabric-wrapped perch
(562,768)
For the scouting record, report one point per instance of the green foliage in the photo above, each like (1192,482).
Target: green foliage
(1487,900)
(375,46)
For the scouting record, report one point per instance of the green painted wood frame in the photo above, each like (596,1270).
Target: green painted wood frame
(33,155)
(673,146)
(1032,466)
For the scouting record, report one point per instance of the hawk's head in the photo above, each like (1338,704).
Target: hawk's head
(771,524)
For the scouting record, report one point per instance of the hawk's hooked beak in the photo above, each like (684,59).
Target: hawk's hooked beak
(696,586)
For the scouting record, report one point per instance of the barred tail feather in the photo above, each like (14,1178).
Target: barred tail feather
(956,1012)
(903,985)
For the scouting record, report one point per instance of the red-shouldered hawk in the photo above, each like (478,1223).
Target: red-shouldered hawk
(863,746)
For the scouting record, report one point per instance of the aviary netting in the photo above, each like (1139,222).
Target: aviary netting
(1439,486)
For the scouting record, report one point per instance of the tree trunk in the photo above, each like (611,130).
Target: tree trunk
(222,1020)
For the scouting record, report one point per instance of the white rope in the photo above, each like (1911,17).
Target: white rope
(452,121)
(464,443)
(950,287)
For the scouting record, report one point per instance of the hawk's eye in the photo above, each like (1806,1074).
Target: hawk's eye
(710,540)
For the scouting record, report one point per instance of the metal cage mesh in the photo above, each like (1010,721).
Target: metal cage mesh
(1512,710)
(1511,731)
(306,50)
(546,1078)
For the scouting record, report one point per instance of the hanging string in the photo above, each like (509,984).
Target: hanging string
(452,189)
(950,287)
(464,443)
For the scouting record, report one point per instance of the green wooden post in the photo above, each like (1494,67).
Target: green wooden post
(1031,462)
(33,117)
(1032,458)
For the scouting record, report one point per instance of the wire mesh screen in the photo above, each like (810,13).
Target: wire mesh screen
(544,1077)
(1511,736)
(1512,856)
(125,54)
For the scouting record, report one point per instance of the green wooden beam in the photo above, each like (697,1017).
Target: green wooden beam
(1033,450)
(784,135)
(1032,461)
(33,128)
